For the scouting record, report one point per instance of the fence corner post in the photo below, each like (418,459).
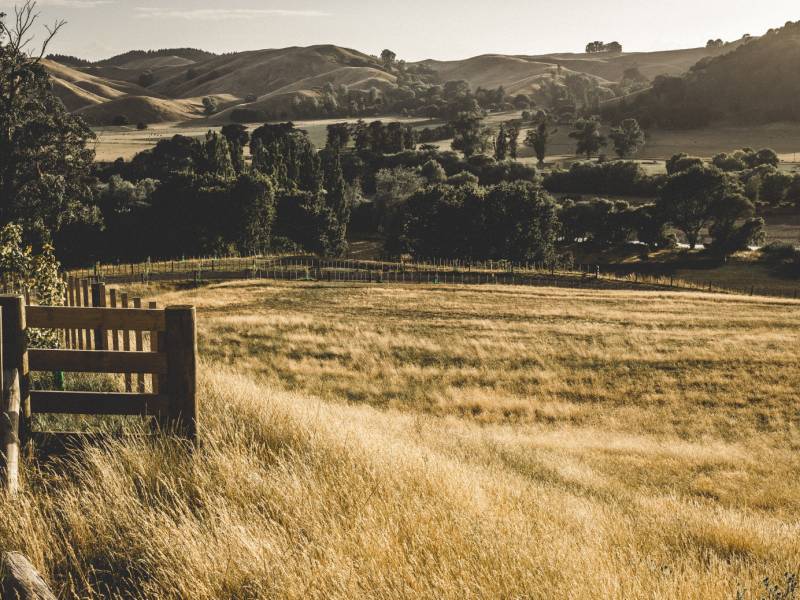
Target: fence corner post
(15,364)
(9,427)
(181,349)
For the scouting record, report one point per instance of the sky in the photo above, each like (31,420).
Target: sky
(414,29)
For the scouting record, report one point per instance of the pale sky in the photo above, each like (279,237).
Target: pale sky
(414,29)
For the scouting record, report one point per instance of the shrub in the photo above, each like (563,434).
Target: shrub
(683,162)
(462,178)
(120,120)
(37,274)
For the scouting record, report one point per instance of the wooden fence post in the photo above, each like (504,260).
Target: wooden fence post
(139,341)
(99,300)
(9,428)
(9,431)
(21,581)
(85,292)
(15,358)
(181,349)
(156,345)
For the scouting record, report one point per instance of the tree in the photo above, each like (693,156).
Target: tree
(687,197)
(586,133)
(44,158)
(238,137)
(433,172)
(765,156)
(501,143)
(633,74)
(727,235)
(147,79)
(469,136)
(338,208)
(793,193)
(538,139)
(216,156)
(774,187)
(627,138)
(513,129)
(338,136)
(718,43)
(253,200)
(393,186)
(210,105)
(387,58)
(682,162)
(594,47)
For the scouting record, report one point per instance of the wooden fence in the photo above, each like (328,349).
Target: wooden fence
(101,332)
(312,268)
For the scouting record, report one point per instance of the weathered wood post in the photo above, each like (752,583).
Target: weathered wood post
(181,385)
(21,581)
(9,428)
(15,358)
(99,300)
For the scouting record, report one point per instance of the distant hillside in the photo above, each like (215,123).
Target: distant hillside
(523,73)
(262,71)
(759,82)
(329,81)
(78,88)
(146,109)
(190,55)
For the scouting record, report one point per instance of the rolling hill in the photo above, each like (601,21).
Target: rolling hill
(758,82)
(279,81)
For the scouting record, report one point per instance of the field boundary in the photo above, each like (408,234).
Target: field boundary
(302,267)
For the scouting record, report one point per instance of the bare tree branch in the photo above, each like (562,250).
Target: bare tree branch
(20,36)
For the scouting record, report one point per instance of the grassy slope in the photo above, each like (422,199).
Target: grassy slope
(469,443)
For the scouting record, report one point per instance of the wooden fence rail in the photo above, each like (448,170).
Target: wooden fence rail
(165,350)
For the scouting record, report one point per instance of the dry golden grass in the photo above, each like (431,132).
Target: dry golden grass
(448,443)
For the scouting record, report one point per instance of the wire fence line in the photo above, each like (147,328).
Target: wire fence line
(308,267)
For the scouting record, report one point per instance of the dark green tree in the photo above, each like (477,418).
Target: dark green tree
(469,136)
(587,136)
(627,138)
(253,205)
(387,58)
(210,105)
(44,158)
(216,159)
(513,130)
(238,138)
(338,136)
(686,199)
(336,203)
(501,143)
(538,138)
(732,228)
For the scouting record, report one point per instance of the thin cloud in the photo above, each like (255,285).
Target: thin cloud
(215,14)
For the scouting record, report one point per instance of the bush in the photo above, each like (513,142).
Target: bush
(776,252)
(682,162)
(463,178)
(141,126)
(120,121)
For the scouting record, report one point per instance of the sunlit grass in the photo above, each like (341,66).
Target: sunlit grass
(392,442)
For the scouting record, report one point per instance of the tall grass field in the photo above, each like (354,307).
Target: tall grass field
(371,441)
